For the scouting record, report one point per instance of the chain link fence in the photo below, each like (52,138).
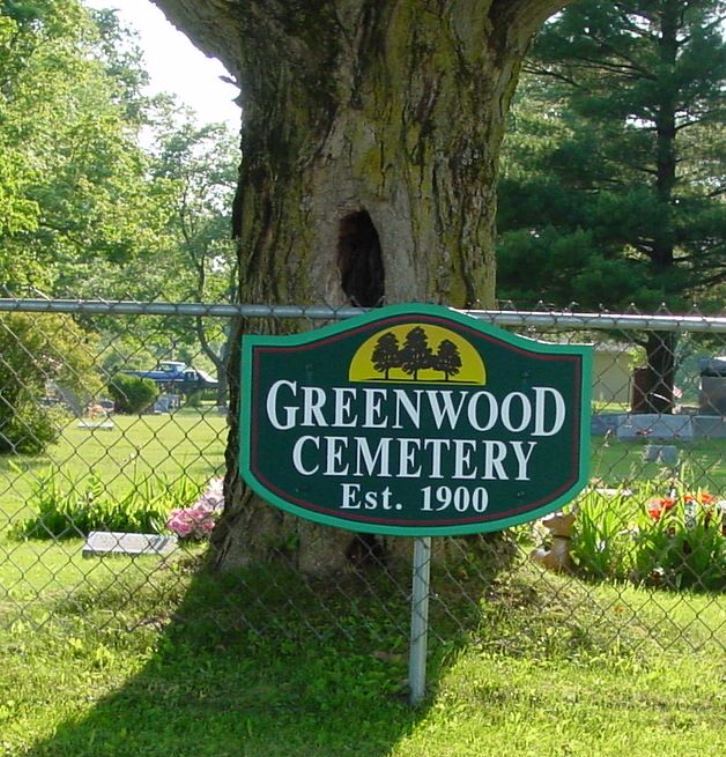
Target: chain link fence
(114,422)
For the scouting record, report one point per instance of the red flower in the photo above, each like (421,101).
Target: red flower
(655,509)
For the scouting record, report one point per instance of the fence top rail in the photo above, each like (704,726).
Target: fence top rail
(525,318)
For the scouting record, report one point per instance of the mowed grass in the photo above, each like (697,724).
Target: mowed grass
(192,444)
(191,666)
(185,444)
(136,447)
(702,462)
(136,656)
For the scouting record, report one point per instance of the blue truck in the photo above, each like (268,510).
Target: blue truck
(175,377)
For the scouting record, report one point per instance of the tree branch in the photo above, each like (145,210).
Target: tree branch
(214,26)
(518,20)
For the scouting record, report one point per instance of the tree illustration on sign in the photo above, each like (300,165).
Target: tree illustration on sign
(416,353)
(386,354)
(447,359)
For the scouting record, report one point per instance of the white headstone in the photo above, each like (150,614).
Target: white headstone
(96,425)
(116,542)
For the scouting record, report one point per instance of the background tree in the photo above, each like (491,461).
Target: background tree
(72,194)
(89,210)
(416,354)
(386,354)
(200,166)
(34,362)
(447,359)
(389,112)
(190,174)
(70,116)
(614,172)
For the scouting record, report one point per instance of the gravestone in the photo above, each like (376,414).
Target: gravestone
(709,426)
(119,543)
(667,454)
(655,426)
(712,396)
(602,424)
(96,425)
(167,403)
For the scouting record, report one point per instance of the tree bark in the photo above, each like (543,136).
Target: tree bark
(370,143)
(661,348)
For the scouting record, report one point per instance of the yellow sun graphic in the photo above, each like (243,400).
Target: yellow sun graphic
(417,352)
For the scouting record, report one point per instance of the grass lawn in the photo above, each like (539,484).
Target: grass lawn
(122,656)
(185,443)
(189,443)
(616,462)
(198,669)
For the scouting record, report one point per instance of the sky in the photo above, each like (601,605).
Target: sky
(175,65)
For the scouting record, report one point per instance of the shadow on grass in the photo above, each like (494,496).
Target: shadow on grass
(261,663)
(267,663)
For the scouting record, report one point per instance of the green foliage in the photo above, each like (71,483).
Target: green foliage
(613,168)
(200,398)
(132,394)
(28,428)
(90,209)
(73,185)
(66,507)
(601,543)
(31,360)
(676,541)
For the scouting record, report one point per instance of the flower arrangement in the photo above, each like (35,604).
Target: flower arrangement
(196,522)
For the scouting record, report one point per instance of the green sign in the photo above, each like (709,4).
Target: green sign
(414,420)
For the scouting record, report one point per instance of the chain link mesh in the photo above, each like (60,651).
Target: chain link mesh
(640,557)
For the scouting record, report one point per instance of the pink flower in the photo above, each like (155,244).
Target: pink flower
(197,521)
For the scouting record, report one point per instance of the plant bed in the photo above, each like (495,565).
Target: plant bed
(674,541)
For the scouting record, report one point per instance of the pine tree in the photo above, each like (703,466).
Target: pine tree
(613,189)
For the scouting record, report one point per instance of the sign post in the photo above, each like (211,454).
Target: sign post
(419,618)
(414,420)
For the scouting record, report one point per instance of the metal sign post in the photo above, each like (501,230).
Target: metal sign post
(419,618)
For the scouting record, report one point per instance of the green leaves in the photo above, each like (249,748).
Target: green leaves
(62,352)
(673,542)
(73,178)
(66,508)
(616,147)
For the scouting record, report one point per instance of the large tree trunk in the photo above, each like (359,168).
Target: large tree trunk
(370,143)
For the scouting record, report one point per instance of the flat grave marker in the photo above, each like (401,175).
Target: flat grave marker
(120,543)
(653,426)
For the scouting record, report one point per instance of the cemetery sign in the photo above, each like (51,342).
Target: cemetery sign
(414,420)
